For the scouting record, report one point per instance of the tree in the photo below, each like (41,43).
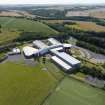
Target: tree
(44,59)
(104,65)
(0,28)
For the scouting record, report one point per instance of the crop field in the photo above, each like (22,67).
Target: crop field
(15,13)
(82,25)
(97,13)
(73,92)
(88,26)
(24,85)
(9,13)
(53,21)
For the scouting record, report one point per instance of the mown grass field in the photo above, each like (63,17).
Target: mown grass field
(12,27)
(73,92)
(24,85)
(87,26)
(8,36)
(25,25)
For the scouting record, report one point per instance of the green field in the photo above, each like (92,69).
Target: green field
(7,36)
(25,25)
(73,92)
(24,85)
(12,27)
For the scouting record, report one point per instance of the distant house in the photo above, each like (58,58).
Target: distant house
(15,51)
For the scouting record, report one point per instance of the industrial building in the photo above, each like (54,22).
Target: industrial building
(29,51)
(15,51)
(57,51)
(67,58)
(43,48)
(61,63)
(39,44)
(54,41)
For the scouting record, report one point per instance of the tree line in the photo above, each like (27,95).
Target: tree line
(91,40)
(94,72)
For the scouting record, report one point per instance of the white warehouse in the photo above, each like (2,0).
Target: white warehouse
(61,63)
(67,58)
(30,51)
(55,42)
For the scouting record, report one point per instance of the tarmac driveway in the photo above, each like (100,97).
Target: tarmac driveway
(21,59)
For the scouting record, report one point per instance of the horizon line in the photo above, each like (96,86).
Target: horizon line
(52,4)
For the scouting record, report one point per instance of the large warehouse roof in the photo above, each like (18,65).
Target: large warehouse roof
(29,51)
(39,44)
(61,63)
(71,60)
(54,41)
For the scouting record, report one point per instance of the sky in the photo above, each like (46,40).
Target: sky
(52,1)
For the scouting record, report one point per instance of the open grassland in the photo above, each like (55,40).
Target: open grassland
(25,25)
(73,92)
(8,36)
(54,70)
(12,27)
(24,85)
(88,26)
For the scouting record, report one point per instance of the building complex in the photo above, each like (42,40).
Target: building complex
(57,51)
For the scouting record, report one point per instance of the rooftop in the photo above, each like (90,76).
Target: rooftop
(40,44)
(61,63)
(71,60)
(16,50)
(53,41)
(29,51)
(67,45)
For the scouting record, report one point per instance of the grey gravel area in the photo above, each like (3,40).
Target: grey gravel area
(21,59)
(95,82)
(30,62)
(15,58)
(91,54)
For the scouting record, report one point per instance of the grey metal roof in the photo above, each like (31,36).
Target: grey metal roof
(39,44)
(29,51)
(69,59)
(61,63)
(53,41)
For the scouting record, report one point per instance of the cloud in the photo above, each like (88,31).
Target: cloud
(51,1)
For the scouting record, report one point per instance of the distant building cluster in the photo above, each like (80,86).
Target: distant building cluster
(15,51)
(57,51)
